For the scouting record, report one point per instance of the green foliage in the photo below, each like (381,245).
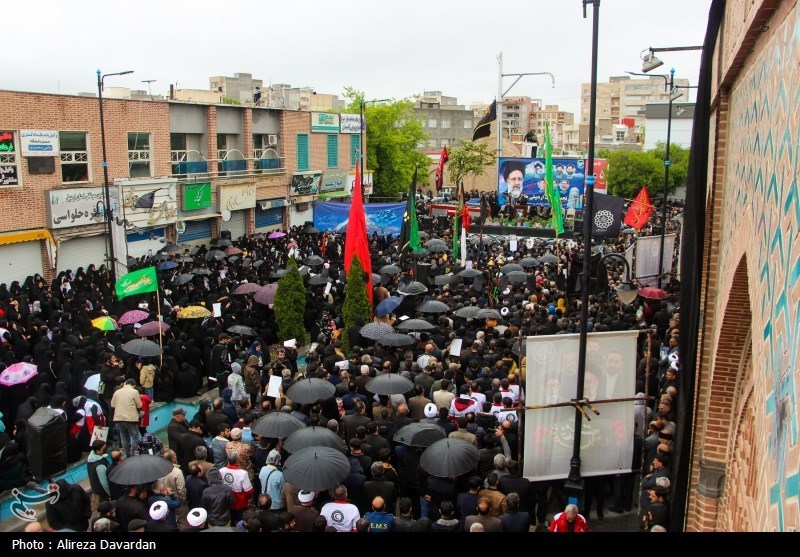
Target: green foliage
(470,158)
(356,303)
(230,100)
(290,306)
(393,133)
(629,171)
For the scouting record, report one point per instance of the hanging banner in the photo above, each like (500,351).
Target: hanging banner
(39,143)
(607,440)
(647,255)
(333,180)
(568,175)
(383,218)
(350,123)
(196,196)
(78,206)
(305,183)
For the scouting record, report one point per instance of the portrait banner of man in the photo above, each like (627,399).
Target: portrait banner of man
(551,378)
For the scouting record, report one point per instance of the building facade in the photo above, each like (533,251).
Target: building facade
(178,172)
(745,460)
(659,123)
(446,122)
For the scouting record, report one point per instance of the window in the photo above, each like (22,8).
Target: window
(446,124)
(620,136)
(74,157)
(355,148)
(332,145)
(186,154)
(445,142)
(9,162)
(230,160)
(432,143)
(302,152)
(432,122)
(139,155)
(265,152)
(467,124)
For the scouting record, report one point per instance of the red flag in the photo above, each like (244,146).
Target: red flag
(465,218)
(640,211)
(357,242)
(443,158)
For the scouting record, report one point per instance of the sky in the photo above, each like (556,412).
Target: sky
(385,49)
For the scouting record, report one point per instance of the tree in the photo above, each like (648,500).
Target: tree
(290,306)
(629,171)
(393,133)
(356,303)
(679,163)
(470,158)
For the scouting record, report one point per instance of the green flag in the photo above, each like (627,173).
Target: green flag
(457,224)
(137,282)
(409,232)
(553,197)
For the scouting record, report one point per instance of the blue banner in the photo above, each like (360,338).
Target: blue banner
(526,180)
(383,218)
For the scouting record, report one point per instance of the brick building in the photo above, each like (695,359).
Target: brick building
(178,171)
(745,461)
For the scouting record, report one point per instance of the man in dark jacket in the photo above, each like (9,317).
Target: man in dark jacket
(380,487)
(97,465)
(187,443)
(131,506)
(72,510)
(216,417)
(404,522)
(196,484)
(217,366)
(217,499)
(175,430)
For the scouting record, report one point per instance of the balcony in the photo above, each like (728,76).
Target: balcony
(191,164)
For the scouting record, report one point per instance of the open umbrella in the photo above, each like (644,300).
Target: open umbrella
(276,425)
(424,235)
(652,293)
(161,257)
(413,288)
(17,374)
(152,329)
(140,469)
(486,240)
(449,457)
(415,325)
(419,434)
(241,330)
(313,260)
(133,316)
(376,278)
(104,323)
(509,267)
(433,306)
(215,254)
(247,288)
(467,312)
(278,274)
(390,270)
(488,313)
(388,305)
(309,391)
(184,259)
(316,468)
(517,277)
(167,265)
(142,347)
(435,244)
(201,271)
(312,436)
(171,248)
(92,383)
(376,331)
(470,273)
(222,242)
(548,258)
(266,295)
(441,280)
(275,235)
(233,259)
(529,262)
(232,250)
(317,280)
(390,384)
(193,312)
(183,278)
(397,340)
(419,254)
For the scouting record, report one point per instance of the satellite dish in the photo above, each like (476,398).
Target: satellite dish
(226,215)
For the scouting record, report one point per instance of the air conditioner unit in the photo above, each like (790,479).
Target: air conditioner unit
(272,139)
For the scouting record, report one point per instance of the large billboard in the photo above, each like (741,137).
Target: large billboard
(383,218)
(520,177)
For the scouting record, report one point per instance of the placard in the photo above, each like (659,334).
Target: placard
(305,183)
(273,389)
(8,175)
(196,196)
(455,347)
(333,180)
(39,143)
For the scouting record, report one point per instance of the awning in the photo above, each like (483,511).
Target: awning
(272,203)
(334,195)
(25,236)
(200,217)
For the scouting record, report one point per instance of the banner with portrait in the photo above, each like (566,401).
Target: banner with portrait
(523,179)
(383,218)
(551,378)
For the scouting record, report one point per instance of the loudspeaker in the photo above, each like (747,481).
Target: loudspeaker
(225,234)
(423,273)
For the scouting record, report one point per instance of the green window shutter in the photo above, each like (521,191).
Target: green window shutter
(302,152)
(333,150)
(355,148)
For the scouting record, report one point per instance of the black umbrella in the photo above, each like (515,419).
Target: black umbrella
(413,288)
(433,306)
(415,325)
(390,384)
(140,469)
(470,273)
(376,331)
(316,468)
(201,271)
(376,278)
(276,425)
(424,235)
(487,313)
(487,240)
(396,340)
(183,278)
(510,267)
(449,457)
(171,248)
(390,270)
(318,279)
(467,312)
(517,277)
(529,262)
(185,259)
(242,330)
(167,265)
(278,274)
(161,257)
(141,347)
(309,391)
(215,254)
(312,436)
(548,258)
(419,254)
(419,434)
(310,230)
(313,260)
(435,244)
(441,280)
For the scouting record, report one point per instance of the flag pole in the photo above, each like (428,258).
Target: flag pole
(160,334)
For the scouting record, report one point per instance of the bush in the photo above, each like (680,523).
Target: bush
(356,302)
(290,306)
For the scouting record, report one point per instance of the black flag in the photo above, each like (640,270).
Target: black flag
(405,229)
(145,201)
(483,129)
(607,218)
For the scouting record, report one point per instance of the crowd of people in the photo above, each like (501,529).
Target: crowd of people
(225,476)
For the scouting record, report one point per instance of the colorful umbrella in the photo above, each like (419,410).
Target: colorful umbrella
(275,235)
(152,328)
(167,265)
(193,312)
(231,250)
(652,293)
(133,316)
(266,295)
(388,305)
(17,374)
(104,323)
(247,288)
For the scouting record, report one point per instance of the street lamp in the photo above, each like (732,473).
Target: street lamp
(362,103)
(111,257)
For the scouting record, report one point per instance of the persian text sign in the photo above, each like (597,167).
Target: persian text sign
(235,198)
(196,196)
(350,123)
(39,143)
(324,122)
(77,206)
(305,183)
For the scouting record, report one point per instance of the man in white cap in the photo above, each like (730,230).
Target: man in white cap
(158,522)
(197,520)
(431,413)
(305,514)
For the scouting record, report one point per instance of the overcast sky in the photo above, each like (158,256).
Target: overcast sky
(386,49)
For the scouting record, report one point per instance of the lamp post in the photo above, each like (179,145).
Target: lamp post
(112,260)
(363,103)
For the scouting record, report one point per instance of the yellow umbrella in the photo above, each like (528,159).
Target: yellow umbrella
(104,323)
(193,312)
